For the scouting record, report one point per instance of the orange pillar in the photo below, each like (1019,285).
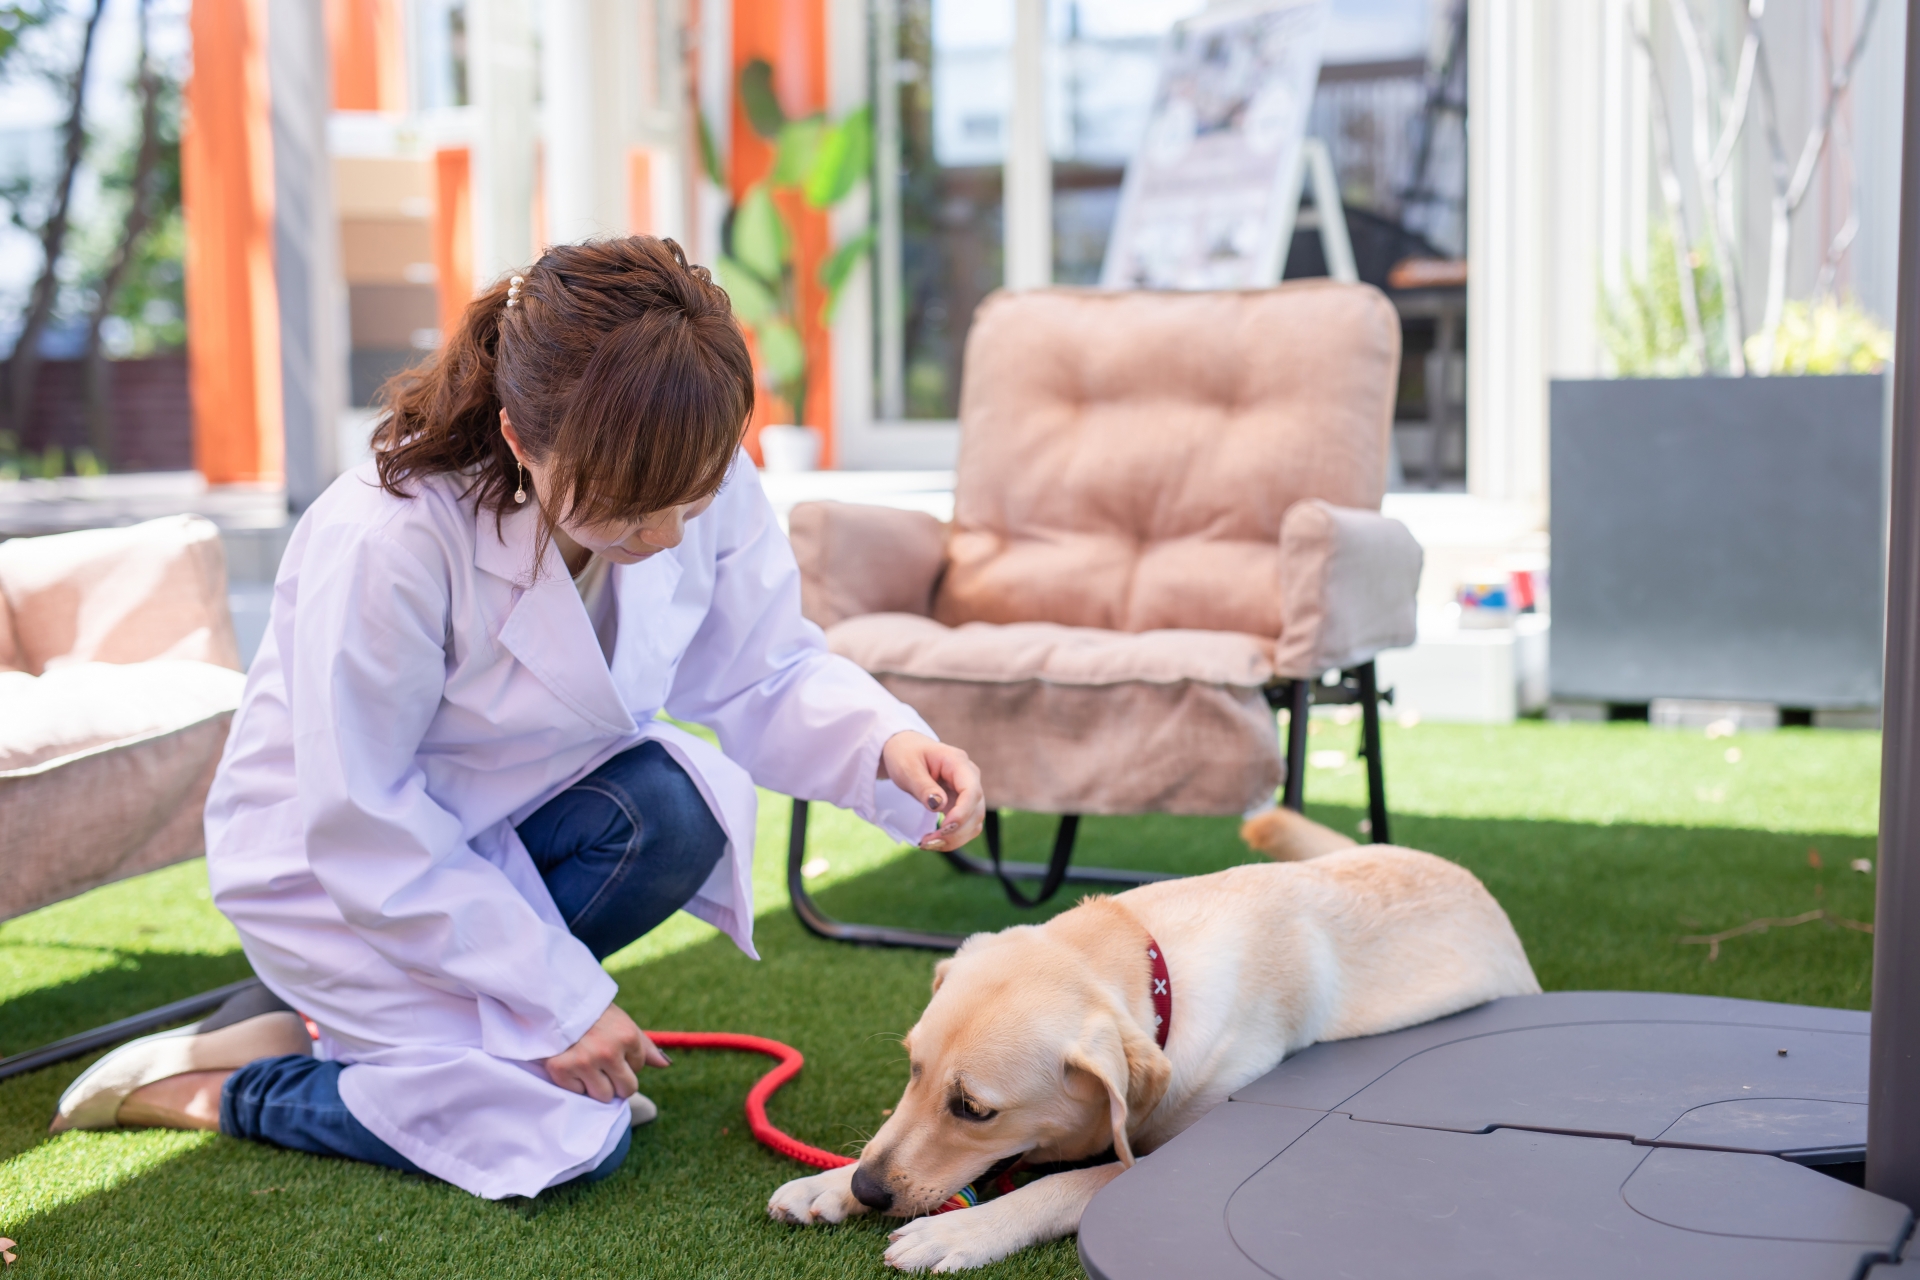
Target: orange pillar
(792,36)
(363,40)
(453,233)
(233,317)
(640,191)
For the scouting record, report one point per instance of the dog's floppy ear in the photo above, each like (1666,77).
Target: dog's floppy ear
(940,973)
(1129,1065)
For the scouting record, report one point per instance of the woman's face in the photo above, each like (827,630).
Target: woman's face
(632,543)
(622,543)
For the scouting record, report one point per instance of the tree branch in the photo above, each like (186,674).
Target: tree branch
(25,361)
(1716,190)
(140,213)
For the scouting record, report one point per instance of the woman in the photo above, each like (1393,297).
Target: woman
(447,796)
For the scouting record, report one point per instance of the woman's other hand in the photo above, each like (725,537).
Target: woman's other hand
(602,1063)
(943,779)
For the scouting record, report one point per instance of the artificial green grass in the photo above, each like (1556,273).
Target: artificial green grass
(1605,843)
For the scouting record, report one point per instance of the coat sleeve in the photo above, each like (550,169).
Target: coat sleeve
(803,721)
(365,684)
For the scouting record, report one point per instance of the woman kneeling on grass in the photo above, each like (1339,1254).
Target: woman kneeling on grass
(446,796)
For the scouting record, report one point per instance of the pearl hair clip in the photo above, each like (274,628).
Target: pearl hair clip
(513,288)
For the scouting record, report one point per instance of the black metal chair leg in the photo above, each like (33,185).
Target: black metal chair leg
(1299,701)
(1370,741)
(970,865)
(819,922)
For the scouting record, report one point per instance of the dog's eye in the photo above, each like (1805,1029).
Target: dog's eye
(965,1108)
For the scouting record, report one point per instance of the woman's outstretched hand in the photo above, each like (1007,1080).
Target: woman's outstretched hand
(943,779)
(602,1063)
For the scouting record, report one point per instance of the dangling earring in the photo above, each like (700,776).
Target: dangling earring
(520,494)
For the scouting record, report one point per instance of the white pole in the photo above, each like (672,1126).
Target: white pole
(594,84)
(306,247)
(1028,180)
(500,77)
(568,118)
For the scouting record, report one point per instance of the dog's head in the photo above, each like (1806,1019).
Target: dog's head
(1027,1048)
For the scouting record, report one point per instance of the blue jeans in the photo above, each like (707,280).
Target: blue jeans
(620,851)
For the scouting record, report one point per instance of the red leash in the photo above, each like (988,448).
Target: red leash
(790,1062)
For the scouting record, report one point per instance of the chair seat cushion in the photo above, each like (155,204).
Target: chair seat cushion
(1081,720)
(104,771)
(85,705)
(908,645)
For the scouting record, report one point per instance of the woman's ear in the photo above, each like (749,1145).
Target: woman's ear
(513,438)
(1131,1068)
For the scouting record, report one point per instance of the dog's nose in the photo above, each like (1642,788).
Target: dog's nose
(868,1190)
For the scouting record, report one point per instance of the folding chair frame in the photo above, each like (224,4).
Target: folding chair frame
(1354,685)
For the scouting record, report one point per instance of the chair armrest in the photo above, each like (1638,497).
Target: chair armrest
(152,590)
(857,559)
(1347,584)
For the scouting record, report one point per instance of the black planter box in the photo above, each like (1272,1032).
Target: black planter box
(1718,538)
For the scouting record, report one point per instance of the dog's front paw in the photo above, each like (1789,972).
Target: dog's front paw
(825,1197)
(953,1241)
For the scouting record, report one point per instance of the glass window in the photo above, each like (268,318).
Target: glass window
(952,71)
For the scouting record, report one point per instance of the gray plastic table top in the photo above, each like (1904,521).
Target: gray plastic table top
(1571,1134)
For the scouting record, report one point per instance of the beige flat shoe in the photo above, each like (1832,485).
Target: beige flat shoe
(641,1107)
(235,1035)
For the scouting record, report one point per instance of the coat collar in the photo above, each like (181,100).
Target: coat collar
(548,629)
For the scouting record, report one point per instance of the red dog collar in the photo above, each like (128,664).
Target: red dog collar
(1162,991)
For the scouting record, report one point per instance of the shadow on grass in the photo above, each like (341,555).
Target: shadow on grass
(1598,906)
(131,982)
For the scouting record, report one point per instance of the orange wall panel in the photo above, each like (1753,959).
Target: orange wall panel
(453,233)
(233,317)
(363,39)
(792,36)
(640,191)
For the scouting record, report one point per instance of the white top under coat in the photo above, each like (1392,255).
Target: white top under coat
(419,693)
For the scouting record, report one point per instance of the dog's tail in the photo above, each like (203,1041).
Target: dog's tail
(1285,836)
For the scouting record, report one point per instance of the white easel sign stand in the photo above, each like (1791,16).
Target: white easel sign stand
(1212,196)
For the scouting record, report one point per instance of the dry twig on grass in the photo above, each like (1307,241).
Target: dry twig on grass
(1712,941)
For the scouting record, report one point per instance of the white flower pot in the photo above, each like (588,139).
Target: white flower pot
(786,448)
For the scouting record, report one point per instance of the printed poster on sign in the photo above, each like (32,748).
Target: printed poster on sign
(1203,202)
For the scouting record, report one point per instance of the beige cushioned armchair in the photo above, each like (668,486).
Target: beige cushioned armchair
(1166,521)
(119,673)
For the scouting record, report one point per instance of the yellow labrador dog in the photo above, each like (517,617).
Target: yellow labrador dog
(1119,1023)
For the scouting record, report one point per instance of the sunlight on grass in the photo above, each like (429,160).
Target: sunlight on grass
(1791,780)
(166,912)
(83,1164)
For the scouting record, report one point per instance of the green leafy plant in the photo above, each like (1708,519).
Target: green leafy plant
(1644,327)
(820,161)
(1822,337)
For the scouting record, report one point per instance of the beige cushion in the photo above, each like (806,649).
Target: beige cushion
(1078,720)
(9,646)
(1126,459)
(1350,578)
(152,590)
(80,706)
(104,771)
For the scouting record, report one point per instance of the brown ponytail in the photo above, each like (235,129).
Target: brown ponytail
(620,366)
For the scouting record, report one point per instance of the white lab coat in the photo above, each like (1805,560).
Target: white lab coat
(419,693)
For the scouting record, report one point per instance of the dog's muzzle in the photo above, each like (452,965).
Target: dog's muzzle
(869,1191)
